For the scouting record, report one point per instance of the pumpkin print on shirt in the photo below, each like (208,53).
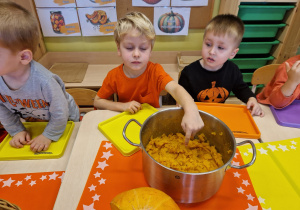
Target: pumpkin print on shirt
(213,94)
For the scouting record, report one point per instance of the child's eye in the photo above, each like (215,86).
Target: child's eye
(128,48)
(221,48)
(143,49)
(208,44)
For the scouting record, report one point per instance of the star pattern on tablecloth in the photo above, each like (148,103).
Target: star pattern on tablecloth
(28,177)
(19,183)
(32,182)
(8,182)
(263,151)
(43,177)
(53,176)
(102,164)
(283,148)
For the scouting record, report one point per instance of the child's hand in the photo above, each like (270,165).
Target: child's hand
(191,123)
(132,107)
(254,107)
(20,139)
(40,143)
(294,72)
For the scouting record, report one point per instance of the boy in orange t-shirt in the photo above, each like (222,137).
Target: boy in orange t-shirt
(138,80)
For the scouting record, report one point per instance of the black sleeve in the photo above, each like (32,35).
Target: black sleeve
(184,81)
(241,89)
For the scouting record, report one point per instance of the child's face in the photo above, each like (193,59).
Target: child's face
(8,61)
(135,51)
(216,50)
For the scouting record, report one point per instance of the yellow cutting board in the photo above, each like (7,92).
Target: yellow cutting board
(112,129)
(56,149)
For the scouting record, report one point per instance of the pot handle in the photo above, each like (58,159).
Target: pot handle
(124,132)
(253,157)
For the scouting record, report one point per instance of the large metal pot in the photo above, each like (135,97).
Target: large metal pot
(181,186)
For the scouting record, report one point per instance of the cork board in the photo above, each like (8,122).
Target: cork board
(200,16)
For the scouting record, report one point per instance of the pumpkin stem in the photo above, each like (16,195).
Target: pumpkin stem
(213,84)
(172,13)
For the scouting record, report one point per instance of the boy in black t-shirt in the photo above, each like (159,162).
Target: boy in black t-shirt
(211,78)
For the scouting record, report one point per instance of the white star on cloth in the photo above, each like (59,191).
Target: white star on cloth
(102,181)
(236,154)
(107,145)
(293,142)
(250,207)
(8,182)
(272,147)
(250,197)
(62,176)
(102,165)
(97,174)
(250,150)
(240,190)
(106,155)
(96,197)
(261,200)
(1,180)
(263,151)
(92,187)
(32,183)
(43,177)
(293,147)
(90,207)
(246,154)
(267,208)
(237,174)
(283,148)
(19,183)
(53,176)
(246,183)
(28,177)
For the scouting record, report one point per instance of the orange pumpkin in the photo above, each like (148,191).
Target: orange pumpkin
(171,22)
(151,1)
(214,94)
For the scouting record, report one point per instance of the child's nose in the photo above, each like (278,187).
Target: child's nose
(212,51)
(136,53)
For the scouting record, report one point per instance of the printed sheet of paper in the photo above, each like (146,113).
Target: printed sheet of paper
(100,21)
(95,3)
(59,21)
(150,3)
(171,20)
(55,3)
(189,3)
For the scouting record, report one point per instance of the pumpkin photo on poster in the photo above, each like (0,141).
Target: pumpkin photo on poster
(171,21)
(151,3)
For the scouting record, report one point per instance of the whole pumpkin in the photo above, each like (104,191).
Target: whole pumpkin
(171,22)
(143,198)
(214,94)
(151,1)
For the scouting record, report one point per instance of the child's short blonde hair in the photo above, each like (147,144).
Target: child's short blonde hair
(227,24)
(18,28)
(134,20)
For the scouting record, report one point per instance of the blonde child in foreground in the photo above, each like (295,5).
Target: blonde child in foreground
(138,80)
(27,89)
(222,38)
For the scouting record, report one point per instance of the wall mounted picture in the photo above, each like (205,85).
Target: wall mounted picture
(97,21)
(171,20)
(55,3)
(95,3)
(188,3)
(59,21)
(150,3)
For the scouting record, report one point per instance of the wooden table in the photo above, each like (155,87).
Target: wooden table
(44,165)
(89,138)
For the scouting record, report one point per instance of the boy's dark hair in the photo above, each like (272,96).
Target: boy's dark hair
(228,24)
(19,29)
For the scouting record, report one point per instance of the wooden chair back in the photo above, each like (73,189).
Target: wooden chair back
(263,75)
(83,97)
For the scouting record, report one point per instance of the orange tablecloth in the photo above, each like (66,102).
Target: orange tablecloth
(32,191)
(112,173)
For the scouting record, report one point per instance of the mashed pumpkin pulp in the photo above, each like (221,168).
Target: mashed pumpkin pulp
(197,157)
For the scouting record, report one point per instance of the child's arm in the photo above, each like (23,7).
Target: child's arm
(191,122)
(39,143)
(254,107)
(293,79)
(20,139)
(132,106)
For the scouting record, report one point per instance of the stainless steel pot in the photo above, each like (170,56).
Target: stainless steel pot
(181,186)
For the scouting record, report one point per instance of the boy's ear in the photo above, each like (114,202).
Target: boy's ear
(234,52)
(26,56)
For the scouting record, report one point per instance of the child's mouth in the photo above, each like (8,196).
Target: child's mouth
(210,60)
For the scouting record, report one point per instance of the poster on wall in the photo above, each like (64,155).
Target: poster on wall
(171,20)
(189,3)
(95,3)
(150,3)
(59,21)
(55,3)
(100,21)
